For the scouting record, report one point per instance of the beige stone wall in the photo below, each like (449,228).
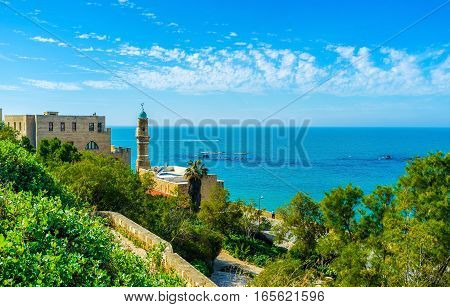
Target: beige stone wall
(36,128)
(169,188)
(148,240)
(25,124)
(209,182)
(81,137)
(121,153)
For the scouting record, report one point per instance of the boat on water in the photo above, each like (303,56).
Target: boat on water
(220,155)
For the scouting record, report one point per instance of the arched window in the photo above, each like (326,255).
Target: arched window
(91,146)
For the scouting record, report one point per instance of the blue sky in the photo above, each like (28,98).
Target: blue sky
(228,60)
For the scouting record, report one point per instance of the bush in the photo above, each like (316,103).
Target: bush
(252,250)
(202,267)
(104,182)
(9,134)
(395,236)
(198,242)
(43,243)
(20,170)
(53,152)
(289,272)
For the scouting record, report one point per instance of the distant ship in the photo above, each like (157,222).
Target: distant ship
(220,155)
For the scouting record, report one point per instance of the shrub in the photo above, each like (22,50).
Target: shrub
(20,170)
(104,182)
(43,243)
(202,267)
(54,152)
(252,250)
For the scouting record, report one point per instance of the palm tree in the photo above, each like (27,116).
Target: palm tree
(194,174)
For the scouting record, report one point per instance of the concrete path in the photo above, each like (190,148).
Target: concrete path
(232,272)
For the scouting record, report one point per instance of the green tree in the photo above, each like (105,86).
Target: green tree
(418,231)
(104,182)
(47,239)
(9,134)
(339,207)
(219,213)
(26,144)
(43,243)
(194,173)
(20,170)
(302,222)
(53,152)
(395,236)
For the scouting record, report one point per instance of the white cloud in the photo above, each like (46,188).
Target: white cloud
(172,24)
(233,34)
(149,15)
(83,36)
(261,68)
(44,39)
(31,58)
(126,49)
(8,87)
(105,84)
(87,69)
(440,76)
(93,36)
(51,85)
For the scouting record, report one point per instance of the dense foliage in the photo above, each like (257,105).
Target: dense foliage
(9,134)
(45,241)
(109,184)
(256,251)
(104,182)
(392,237)
(54,152)
(22,172)
(240,223)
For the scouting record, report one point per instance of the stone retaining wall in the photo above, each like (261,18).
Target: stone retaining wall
(148,239)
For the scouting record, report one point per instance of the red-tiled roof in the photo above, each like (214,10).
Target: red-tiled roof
(158,193)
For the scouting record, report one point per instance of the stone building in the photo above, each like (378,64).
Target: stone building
(169,180)
(84,132)
(143,140)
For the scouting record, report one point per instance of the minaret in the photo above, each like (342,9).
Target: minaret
(143,160)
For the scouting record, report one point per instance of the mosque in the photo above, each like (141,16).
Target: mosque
(169,180)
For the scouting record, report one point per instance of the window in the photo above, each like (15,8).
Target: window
(74,126)
(91,146)
(14,125)
(63,126)
(91,126)
(50,126)
(100,127)
(20,126)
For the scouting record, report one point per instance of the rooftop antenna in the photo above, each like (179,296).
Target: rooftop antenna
(142,106)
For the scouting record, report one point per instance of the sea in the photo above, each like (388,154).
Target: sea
(269,165)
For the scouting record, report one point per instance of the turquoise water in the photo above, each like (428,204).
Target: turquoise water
(276,166)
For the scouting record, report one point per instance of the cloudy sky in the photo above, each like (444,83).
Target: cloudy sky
(362,64)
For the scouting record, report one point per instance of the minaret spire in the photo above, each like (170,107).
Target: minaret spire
(143,140)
